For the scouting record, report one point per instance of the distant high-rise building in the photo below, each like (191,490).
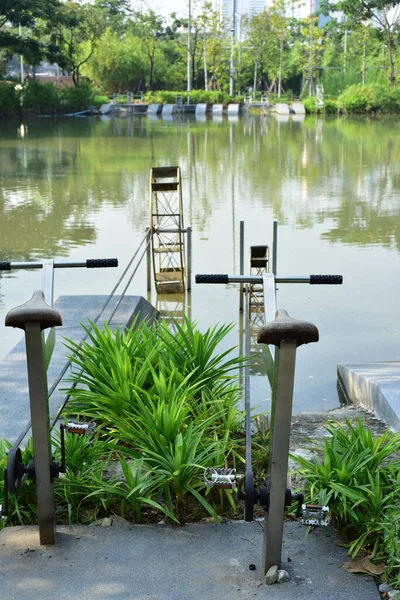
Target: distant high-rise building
(302,9)
(297,9)
(242,8)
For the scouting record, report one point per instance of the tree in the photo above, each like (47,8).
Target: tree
(27,14)
(117,64)
(259,36)
(150,28)
(280,34)
(76,31)
(384,13)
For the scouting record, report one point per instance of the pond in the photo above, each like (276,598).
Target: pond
(78,188)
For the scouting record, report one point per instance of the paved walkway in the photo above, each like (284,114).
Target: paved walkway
(157,562)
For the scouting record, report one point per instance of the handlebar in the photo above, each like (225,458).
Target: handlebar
(326,279)
(216,278)
(91,263)
(101,263)
(311,279)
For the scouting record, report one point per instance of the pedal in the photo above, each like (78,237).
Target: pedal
(220,479)
(315,514)
(80,428)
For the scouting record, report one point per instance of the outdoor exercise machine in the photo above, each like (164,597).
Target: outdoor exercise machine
(280,336)
(38,318)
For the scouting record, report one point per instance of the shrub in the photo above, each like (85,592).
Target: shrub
(40,98)
(98,100)
(167,399)
(76,98)
(331,106)
(356,99)
(356,476)
(309,105)
(385,98)
(9,99)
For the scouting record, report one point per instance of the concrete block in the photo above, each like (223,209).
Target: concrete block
(202,109)
(375,387)
(233,109)
(298,108)
(217,109)
(282,109)
(154,109)
(169,109)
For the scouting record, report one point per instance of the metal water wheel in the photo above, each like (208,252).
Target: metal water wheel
(167,229)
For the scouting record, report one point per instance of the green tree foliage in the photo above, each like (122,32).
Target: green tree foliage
(117,64)
(149,27)
(76,32)
(385,14)
(259,34)
(26,13)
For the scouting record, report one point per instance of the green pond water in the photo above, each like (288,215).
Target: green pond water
(78,188)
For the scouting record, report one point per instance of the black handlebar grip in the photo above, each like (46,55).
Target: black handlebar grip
(101,263)
(5,265)
(216,278)
(326,279)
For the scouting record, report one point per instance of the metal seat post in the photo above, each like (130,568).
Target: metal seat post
(286,334)
(33,317)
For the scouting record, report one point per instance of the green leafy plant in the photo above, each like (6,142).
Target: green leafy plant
(166,398)
(353,476)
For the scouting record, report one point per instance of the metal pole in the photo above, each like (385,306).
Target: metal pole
(189,259)
(21,59)
(241,264)
(35,316)
(281,415)
(286,334)
(189,49)
(232,66)
(205,62)
(275,247)
(240,49)
(148,259)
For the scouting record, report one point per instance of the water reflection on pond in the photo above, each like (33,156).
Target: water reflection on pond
(79,188)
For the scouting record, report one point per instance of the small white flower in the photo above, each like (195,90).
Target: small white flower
(18,87)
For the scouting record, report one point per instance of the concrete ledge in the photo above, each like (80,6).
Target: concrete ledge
(169,109)
(217,109)
(189,109)
(14,396)
(154,109)
(106,109)
(233,109)
(202,109)
(298,108)
(282,109)
(375,387)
